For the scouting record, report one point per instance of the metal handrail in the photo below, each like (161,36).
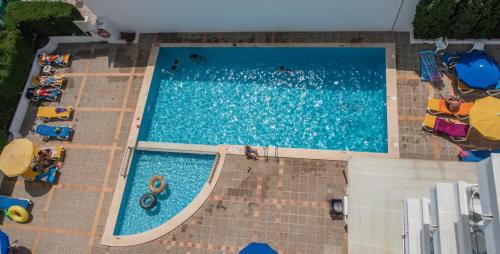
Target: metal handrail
(276,158)
(214,168)
(266,153)
(125,161)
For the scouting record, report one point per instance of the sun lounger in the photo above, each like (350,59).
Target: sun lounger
(451,59)
(463,88)
(48,80)
(53,59)
(438,106)
(429,70)
(494,92)
(33,94)
(48,175)
(58,132)
(56,152)
(475,155)
(48,112)
(456,130)
(7,202)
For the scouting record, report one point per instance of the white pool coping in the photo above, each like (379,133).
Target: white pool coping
(226,149)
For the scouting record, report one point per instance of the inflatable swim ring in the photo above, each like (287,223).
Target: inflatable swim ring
(18,214)
(148,201)
(154,187)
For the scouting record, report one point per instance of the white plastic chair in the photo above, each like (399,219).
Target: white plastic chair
(477,46)
(441,44)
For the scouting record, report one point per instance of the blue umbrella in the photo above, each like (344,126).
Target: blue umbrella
(478,70)
(258,248)
(4,243)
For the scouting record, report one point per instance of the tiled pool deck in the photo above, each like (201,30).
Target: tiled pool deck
(282,203)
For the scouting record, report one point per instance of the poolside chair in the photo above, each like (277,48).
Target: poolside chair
(57,132)
(57,153)
(438,106)
(53,59)
(47,113)
(477,46)
(441,44)
(463,88)
(43,94)
(429,70)
(47,175)
(475,155)
(494,92)
(450,60)
(455,130)
(48,80)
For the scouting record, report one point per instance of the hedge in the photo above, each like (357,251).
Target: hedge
(460,19)
(24,20)
(43,18)
(15,61)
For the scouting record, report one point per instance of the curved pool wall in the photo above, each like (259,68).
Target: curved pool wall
(324,99)
(185,175)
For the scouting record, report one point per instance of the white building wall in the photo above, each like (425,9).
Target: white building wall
(255,15)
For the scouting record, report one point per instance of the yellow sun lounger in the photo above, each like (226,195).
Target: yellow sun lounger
(57,152)
(48,112)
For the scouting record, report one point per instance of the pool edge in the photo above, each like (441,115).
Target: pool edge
(109,239)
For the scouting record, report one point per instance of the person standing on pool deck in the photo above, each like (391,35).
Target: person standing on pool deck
(174,66)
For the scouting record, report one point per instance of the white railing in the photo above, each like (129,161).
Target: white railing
(129,151)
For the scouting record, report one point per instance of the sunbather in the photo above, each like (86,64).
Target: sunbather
(43,94)
(47,80)
(454,129)
(54,59)
(440,106)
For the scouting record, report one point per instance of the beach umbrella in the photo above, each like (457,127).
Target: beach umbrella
(478,70)
(4,243)
(16,157)
(258,248)
(485,117)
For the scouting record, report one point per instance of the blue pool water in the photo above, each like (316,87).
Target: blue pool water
(332,98)
(185,175)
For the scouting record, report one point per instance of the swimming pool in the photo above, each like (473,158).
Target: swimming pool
(325,98)
(185,175)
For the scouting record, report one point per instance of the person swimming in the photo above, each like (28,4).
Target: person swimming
(284,69)
(196,57)
(174,66)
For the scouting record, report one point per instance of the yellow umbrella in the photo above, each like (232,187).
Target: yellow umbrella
(485,117)
(16,157)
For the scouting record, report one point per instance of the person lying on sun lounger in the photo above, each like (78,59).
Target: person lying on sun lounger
(54,59)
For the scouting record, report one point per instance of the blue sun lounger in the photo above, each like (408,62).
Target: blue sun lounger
(429,70)
(7,202)
(59,132)
(476,155)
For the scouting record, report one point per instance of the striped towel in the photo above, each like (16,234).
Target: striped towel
(429,70)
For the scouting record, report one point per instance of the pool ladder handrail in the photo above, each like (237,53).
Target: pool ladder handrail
(276,154)
(266,153)
(125,161)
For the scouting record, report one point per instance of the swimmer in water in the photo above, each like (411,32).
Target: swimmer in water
(284,69)
(196,57)
(174,66)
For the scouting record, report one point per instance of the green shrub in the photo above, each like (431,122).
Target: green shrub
(43,18)
(457,19)
(15,61)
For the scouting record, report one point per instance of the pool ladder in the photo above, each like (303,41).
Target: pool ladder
(266,153)
(125,161)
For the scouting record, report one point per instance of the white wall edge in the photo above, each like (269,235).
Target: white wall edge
(452,41)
